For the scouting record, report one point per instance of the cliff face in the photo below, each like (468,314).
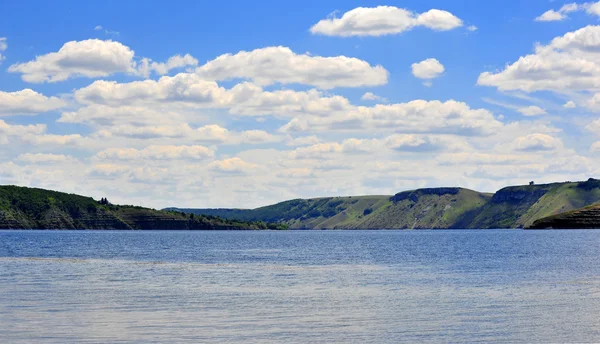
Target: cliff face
(27,208)
(413,195)
(446,207)
(586,218)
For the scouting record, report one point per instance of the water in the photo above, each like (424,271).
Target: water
(299,286)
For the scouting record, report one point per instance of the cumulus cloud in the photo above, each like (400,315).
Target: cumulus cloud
(591,8)
(425,143)
(93,58)
(53,139)
(41,158)
(595,147)
(10,130)
(594,127)
(536,142)
(156,152)
(570,105)
(146,65)
(3,47)
(191,91)
(384,20)
(568,63)
(182,87)
(90,58)
(232,165)
(418,116)
(532,110)
(325,150)
(370,96)
(27,102)
(427,69)
(561,14)
(303,141)
(271,65)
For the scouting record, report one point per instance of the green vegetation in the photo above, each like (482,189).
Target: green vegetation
(30,208)
(584,218)
(511,207)
(450,207)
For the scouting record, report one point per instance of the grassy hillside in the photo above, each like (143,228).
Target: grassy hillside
(427,208)
(30,208)
(511,207)
(520,206)
(315,213)
(584,218)
(424,208)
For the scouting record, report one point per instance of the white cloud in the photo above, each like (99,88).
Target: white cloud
(40,158)
(592,8)
(181,88)
(551,15)
(427,69)
(156,152)
(27,102)
(417,116)
(3,47)
(384,20)
(232,165)
(94,58)
(537,142)
(570,105)
(594,127)
(532,111)
(53,139)
(9,130)
(425,143)
(147,66)
(472,28)
(373,97)
(271,65)
(303,141)
(595,147)
(569,63)
(90,58)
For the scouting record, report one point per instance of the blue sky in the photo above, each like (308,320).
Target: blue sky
(371,100)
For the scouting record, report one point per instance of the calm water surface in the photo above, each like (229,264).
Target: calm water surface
(299,286)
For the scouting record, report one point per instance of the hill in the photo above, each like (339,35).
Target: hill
(423,208)
(520,206)
(451,207)
(584,218)
(30,208)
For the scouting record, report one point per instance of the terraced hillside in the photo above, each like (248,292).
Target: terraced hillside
(510,207)
(29,208)
(423,208)
(585,218)
(520,206)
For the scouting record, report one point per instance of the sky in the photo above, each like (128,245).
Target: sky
(244,104)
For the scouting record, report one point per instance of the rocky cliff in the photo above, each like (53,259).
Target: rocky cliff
(445,207)
(586,218)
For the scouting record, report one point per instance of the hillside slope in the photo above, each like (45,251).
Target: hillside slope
(585,218)
(423,208)
(510,207)
(520,206)
(30,208)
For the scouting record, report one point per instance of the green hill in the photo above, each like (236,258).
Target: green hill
(30,208)
(510,207)
(423,208)
(584,218)
(520,206)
